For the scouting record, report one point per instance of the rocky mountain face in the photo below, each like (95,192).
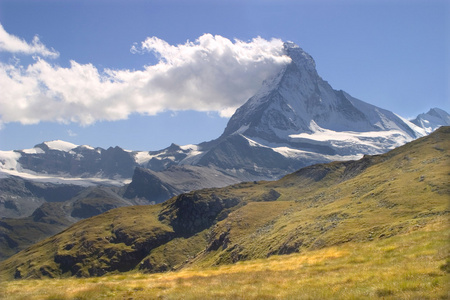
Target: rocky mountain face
(150,186)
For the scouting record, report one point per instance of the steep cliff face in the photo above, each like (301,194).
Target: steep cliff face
(194,212)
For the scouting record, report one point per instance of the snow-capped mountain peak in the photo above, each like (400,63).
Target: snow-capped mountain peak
(297,96)
(299,56)
(433,119)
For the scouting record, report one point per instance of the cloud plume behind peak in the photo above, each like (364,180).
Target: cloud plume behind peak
(211,73)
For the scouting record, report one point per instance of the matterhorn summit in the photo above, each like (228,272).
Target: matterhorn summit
(299,115)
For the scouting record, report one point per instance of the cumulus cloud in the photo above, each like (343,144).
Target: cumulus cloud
(13,44)
(212,73)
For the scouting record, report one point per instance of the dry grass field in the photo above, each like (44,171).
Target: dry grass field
(413,265)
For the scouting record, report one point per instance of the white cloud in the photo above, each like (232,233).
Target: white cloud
(211,74)
(71,133)
(13,44)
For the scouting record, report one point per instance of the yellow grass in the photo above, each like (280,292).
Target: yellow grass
(407,266)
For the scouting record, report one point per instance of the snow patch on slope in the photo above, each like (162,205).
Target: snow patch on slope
(60,179)
(294,153)
(194,150)
(87,147)
(35,150)
(60,145)
(142,157)
(325,135)
(9,160)
(350,142)
(303,154)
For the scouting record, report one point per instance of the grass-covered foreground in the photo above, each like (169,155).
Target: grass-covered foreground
(414,265)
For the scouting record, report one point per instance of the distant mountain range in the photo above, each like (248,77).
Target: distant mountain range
(295,120)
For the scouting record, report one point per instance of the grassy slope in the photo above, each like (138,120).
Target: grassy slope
(97,242)
(16,233)
(407,266)
(384,214)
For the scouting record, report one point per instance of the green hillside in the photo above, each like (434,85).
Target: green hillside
(407,266)
(373,213)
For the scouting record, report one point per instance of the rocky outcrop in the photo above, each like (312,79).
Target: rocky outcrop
(94,259)
(193,212)
(147,185)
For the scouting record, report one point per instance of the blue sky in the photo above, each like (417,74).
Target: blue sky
(144,74)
